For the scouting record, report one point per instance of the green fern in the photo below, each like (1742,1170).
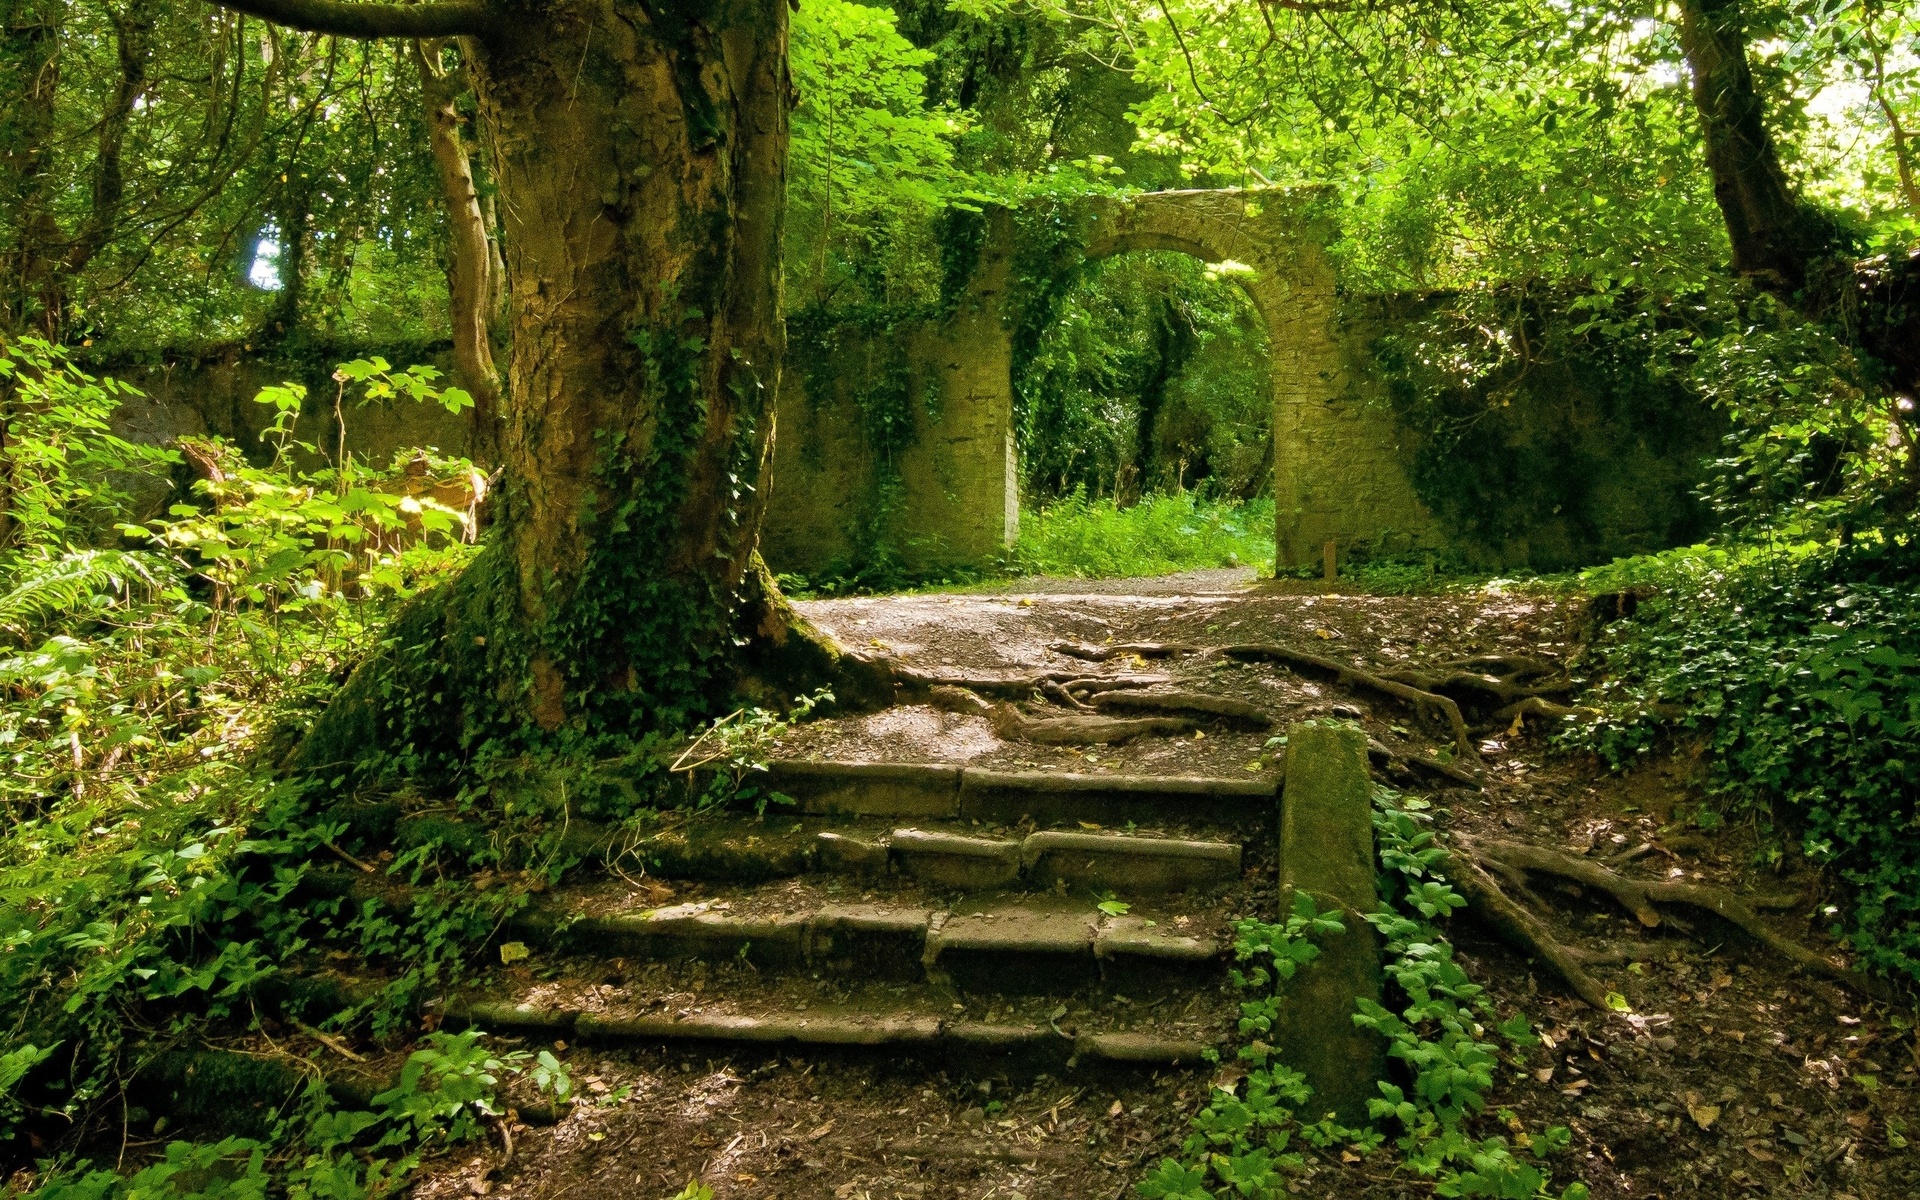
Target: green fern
(38,590)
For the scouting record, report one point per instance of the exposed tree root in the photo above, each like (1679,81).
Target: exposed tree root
(1507,666)
(1380,752)
(1235,712)
(1094,653)
(1015,686)
(1064,695)
(1515,715)
(786,653)
(958,700)
(1472,685)
(1424,702)
(1520,928)
(1076,730)
(1477,869)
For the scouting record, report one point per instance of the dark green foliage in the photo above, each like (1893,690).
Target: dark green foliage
(1800,672)
(1552,427)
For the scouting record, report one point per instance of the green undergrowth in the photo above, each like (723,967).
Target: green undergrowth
(1163,533)
(1445,1037)
(164,884)
(1796,667)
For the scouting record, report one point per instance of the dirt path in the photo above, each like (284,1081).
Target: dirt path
(1732,1075)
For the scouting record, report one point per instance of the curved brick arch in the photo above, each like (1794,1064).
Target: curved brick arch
(1337,473)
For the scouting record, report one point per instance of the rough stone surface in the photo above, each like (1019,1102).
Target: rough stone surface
(950,860)
(1326,850)
(1047,796)
(958,498)
(1128,864)
(1013,950)
(869,788)
(842,854)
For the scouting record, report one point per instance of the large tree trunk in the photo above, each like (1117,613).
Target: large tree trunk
(642,158)
(640,154)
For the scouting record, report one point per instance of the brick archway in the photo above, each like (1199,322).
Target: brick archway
(1337,474)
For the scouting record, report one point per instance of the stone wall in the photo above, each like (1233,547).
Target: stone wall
(1559,472)
(953,495)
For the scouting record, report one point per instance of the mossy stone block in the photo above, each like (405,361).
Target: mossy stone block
(1326,850)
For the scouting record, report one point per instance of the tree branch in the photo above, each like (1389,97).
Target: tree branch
(444,18)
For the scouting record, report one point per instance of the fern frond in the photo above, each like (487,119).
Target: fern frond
(39,590)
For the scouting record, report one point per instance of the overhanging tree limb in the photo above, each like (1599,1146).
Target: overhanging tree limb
(445,18)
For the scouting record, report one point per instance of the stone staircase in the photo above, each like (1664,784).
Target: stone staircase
(1010,923)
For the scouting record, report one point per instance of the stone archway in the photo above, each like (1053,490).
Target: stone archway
(1337,473)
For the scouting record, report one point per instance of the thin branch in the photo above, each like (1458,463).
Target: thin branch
(445,18)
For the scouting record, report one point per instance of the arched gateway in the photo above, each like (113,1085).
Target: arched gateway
(952,493)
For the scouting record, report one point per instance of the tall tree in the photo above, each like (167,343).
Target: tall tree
(470,287)
(639,147)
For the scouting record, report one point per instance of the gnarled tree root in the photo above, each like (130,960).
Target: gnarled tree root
(1535,706)
(1423,701)
(1015,686)
(1476,868)
(1380,752)
(1200,704)
(1076,730)
(1093,653)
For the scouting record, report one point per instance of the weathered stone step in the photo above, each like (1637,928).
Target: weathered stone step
(1013,1046)
(944,790)
(1001,947)
(749,852)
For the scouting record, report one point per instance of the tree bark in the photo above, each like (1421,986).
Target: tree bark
(470,256)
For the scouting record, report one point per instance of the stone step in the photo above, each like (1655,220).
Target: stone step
(919,1032)
(1000,946)
(747,852)
(949,791)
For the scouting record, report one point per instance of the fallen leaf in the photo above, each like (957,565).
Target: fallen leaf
(1760,1152)
(1618,1003)
(1704,1115)
(821,1132)
(513,952)
(1228,1080)
(1544,1074)
(1118,1108)
(1722,980)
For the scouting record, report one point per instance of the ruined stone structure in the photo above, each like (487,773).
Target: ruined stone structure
(1338,473)
(954,494)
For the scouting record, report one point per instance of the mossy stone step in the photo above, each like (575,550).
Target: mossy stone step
(946,790)
(1012,947)
(1016,1047)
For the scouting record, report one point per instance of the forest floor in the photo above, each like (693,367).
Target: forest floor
(1731,1075)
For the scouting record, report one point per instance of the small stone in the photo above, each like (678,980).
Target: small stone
(974,1116)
